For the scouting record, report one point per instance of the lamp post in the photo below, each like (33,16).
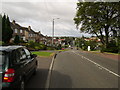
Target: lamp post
(53,24)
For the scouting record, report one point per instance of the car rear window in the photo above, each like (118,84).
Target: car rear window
(3,59)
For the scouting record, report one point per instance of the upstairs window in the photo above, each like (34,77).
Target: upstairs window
(16,31)
(21,31)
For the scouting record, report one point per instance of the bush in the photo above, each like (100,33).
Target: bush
(65,46)
(92,45)
(50,48)
(59,47)
(17,39)
(1,43)
(36,46)
(111,47)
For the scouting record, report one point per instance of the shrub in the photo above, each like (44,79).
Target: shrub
(50,48)
(85,45)
(65,46)
(112,50)
(112,47)
(36,46)
(1,43)
(17,39)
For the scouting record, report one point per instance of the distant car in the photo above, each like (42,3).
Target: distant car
(63,48)
(17,65)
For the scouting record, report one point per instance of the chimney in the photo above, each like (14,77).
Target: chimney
(13,22)
(29,28)
(39,32)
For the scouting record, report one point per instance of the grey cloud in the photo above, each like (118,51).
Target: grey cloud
(39,16)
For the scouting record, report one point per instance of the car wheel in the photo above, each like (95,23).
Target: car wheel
(22,85)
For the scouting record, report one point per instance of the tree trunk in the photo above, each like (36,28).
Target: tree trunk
(107,36)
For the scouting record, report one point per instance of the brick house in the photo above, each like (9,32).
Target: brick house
(26,34)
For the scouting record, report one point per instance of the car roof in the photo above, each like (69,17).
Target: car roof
(9,48)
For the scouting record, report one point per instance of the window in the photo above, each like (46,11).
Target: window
(24,38)
(15,57)
(16,30)
(30,35)
(4,58)
(21,31)
(23,54)
(27,53)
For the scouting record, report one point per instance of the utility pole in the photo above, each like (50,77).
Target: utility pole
(53,33)
(53,24)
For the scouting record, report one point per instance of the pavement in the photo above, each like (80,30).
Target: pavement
(106,55)
(111,56)
(39,80)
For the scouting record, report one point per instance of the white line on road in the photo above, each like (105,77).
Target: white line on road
(97,64)
(49,74)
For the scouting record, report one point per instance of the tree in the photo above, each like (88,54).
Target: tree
(6,29)
(17,39)
(99,18)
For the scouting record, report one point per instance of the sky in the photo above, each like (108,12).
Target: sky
(39,14)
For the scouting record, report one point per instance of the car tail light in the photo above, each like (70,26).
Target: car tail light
(9,75)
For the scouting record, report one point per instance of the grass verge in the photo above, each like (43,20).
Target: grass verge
(43,54)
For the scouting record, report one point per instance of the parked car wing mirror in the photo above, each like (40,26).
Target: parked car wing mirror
(33,55)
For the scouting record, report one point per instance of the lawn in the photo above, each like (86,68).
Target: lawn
(44,54)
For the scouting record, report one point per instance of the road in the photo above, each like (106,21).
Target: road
(80,69)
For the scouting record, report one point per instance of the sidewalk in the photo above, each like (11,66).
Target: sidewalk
(39,80)
(107,55)
(111,56)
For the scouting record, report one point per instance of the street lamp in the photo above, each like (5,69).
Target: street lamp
(53,22)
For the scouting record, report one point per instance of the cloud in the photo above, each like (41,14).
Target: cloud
(39,15)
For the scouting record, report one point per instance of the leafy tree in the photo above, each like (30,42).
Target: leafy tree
(17,39)
(99,18)
(6,29)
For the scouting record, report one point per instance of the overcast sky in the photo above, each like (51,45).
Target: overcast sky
(40,13)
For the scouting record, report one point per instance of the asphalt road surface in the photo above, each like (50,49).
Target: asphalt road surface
(79,69)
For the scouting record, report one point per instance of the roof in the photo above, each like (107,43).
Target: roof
(17,26)
(9,48)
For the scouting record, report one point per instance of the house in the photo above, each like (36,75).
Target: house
(25,34)
(59,42)
(18,30)
(48,41)
(92,39)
